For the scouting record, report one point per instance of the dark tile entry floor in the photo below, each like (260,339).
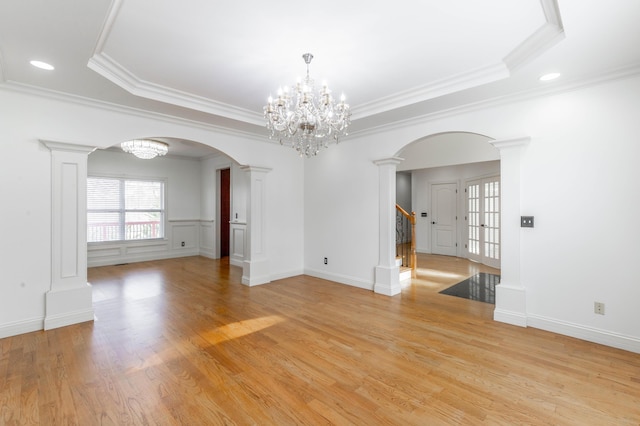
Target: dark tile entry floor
(481,287)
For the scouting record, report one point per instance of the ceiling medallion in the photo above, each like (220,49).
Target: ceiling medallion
(145,148)
(304,120)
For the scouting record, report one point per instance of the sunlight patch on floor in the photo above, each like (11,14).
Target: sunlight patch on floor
(238,329)
(434,273)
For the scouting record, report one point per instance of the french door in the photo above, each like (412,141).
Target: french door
(483,221)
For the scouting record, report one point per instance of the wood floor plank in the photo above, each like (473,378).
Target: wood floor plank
(182,341)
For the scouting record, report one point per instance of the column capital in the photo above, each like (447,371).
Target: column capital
(511,143)
(257,169)
(67,147)
(391,161)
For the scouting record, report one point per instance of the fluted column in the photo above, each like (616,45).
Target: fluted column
(69,300)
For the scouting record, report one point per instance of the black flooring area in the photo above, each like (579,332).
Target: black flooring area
(481,287)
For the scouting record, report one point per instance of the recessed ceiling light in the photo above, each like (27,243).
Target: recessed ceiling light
(550,76)
(42,65)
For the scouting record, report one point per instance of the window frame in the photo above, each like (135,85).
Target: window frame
(122,212)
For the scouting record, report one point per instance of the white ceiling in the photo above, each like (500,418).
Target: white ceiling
(217,62)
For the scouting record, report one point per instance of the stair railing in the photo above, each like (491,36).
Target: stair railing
(406,239)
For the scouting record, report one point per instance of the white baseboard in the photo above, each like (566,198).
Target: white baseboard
(342,279)
(21,327)
(210,254)
(284,275)
(589,334)
(63,320)
(510,317)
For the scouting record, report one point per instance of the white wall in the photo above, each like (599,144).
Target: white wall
(25,188)
(403,191)
(578,178)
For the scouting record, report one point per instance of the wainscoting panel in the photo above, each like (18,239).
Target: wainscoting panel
(208,239)
(238,243)
(184,234)
(178,232)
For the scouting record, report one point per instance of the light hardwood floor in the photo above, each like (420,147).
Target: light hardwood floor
(182,342)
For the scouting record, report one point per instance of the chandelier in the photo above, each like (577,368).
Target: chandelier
(145,148)
(304,120)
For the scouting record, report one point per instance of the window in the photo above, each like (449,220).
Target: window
(124,209)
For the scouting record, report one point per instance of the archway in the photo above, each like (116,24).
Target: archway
(510,294)
(444,164)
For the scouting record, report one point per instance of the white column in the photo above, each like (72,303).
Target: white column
(255,268)
(511,304)
(387,273)
(69,301)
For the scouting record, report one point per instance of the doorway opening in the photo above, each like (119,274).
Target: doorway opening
(225,211)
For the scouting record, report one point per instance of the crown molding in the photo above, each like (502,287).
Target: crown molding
(111,107)
(550,33)
(110,69)
(546,36)
(617,74)
(107,67)
(441,87)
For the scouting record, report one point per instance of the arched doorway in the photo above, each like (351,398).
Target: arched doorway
(510,294)
(455,190)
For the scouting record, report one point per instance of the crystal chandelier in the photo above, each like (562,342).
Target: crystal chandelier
(145,148)
(304,120)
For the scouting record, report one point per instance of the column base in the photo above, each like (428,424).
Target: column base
(255,272)
(511,306)
(67,307)
(387,280)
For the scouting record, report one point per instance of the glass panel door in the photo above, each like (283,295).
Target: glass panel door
(483,221)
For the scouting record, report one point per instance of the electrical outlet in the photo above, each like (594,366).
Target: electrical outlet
(326,261)
(598,308)
(182,244)
(526,221)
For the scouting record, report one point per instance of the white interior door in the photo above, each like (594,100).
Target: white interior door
(443,218)
(483,221)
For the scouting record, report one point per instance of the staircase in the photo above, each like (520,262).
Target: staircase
(405,272)
(406,243)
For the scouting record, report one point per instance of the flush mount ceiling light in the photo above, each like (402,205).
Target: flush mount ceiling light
(42,65)
(550,76)
(304,120)
(145,148)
